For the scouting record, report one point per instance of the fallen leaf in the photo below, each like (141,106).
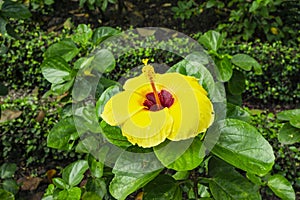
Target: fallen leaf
(139,196)
(9,115)
(29,183)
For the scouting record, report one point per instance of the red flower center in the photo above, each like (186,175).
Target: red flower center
(166,99)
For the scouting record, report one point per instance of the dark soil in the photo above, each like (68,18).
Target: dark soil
(129,14)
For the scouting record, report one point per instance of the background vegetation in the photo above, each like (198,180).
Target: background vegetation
(265,30)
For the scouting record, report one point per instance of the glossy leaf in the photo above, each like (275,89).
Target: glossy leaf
(236,112)
(61,88)
(124,184)
(103,33)
(65,49)
(212,40)
(227,184)
(241,145)
(288,134)
(254,179)
(180,155)
(73,193)
(281,187)
(244,61)
(96,167)
(114,135)
(237,84)
(96,186)
(83,89)
(56,70)
(133,172)
(73,173)
(60,183)
(15,10)
(7,170)
(6,195)
(103,61)
(224,71)
(162,187)
(62,134)
(105,96)
(181,175)
(193,65)
(287,115)
(295,122)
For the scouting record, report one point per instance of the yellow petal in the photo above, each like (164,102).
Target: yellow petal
(189,107)
(147,128)
(121,107)
(206,111)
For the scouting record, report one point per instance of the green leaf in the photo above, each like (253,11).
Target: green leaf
(65,49)
(103,33)
(133,171)
(295,122)
(3,23)
(212,40)
(114,135)
(10,185)
(227,184)
(60,183)
(3,90)
(193,65)
(224,71)
(96,186)
(103,61)
(288,134)
(281,187)
(96,167)
(124,184)
(180,155)
(83,89)
(86,119)
(15,10)
(287,115)
(105,96)
(56,70)
(62,135)
(162,187)
(237,84)
(181,175)
(245,62)
(241,145)
(73,173)
(70,194)
(83,34)
(7,170)
(90,196)
(254,179)
(236,112)
(61,88)
(6,195)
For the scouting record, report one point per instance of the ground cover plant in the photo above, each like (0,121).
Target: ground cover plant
(64,160)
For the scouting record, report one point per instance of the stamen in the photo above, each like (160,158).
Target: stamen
(149,72)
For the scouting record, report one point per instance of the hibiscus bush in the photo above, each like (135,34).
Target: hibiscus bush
(167,132)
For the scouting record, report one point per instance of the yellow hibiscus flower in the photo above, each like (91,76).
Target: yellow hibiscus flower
(154,107)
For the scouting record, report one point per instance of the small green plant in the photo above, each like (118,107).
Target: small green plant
(290,131)
(185,10)
(92,4)
(278,84)
(8,186)
(230,67)
(11,9)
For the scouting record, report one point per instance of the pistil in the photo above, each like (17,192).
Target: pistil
(149,72)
